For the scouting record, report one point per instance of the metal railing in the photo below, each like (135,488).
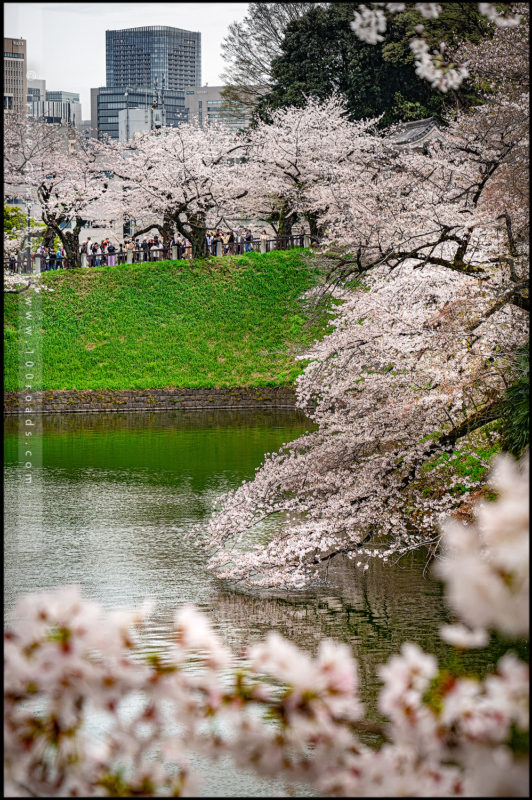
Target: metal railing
(171,252)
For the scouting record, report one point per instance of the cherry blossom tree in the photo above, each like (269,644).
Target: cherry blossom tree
(419,357)
(183,179)
(276,710)
(290,158)
(61,172)
(499,63)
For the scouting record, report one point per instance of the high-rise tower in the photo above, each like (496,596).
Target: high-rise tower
(144,64)
(170,57)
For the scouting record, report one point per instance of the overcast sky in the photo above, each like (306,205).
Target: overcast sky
(66,41)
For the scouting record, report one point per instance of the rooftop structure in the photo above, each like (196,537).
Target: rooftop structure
(416,132)
(56,96)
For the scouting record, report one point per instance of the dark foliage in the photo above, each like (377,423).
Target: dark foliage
(321,55)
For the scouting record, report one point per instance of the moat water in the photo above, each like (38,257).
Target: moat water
(111,501)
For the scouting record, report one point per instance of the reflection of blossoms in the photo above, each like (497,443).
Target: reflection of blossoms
(280,712)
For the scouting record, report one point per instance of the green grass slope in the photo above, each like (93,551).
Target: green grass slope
(227,322)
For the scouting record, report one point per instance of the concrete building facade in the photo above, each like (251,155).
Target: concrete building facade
(205,104)
(138,120)
(36,91)
(62,97)
(15,81)
(56,112)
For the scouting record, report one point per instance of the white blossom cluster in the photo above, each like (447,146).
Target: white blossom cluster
(420,346)
(280,712)
(398,365)
(186,178)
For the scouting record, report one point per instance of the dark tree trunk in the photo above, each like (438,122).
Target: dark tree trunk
(70,240)
(194,229)
(316,231)
(283,221)
(48,237)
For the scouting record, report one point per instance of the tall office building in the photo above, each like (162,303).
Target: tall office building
(167,57)
(143,65)
(15,81)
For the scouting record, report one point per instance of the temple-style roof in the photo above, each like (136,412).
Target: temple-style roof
(415,132)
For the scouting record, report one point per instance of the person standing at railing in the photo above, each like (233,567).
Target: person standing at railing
(130,250)
(39,258)
(111,257)
(89,252)
(121,256)
(20,260)
(59,257)
(217,243)
(264,242)
(145,248)
(83,252)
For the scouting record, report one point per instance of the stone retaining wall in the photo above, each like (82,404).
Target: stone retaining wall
(56,401)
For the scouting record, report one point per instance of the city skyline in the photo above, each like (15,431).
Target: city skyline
(43,25)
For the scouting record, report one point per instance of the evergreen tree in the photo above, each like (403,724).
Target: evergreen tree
(320,55)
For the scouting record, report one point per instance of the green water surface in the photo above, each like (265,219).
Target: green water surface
(110,504)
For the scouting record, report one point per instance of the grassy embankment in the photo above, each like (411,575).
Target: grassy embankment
(229,322)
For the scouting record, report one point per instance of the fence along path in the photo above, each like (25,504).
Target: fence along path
(19,264)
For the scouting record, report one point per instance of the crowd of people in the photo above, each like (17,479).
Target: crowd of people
(153,248)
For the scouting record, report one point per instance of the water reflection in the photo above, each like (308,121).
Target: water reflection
(110,508)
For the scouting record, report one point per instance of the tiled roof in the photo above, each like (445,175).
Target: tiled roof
(416,131)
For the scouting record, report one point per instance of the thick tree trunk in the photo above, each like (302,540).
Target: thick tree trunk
(70,241)
(316,231)
(283,220)
(48,237)
(195,230)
